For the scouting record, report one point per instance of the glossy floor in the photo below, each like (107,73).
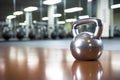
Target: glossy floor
(28,63)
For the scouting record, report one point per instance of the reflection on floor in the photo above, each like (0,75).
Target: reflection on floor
(30,63)
(109,44)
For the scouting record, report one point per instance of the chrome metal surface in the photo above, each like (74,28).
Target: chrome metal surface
(98,30)
(87,45)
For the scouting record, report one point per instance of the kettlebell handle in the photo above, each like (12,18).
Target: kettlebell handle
(98,29)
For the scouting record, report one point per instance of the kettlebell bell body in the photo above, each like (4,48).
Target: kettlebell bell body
(87,45)
(20,34)
(32,35)
(54,34)
(7,33)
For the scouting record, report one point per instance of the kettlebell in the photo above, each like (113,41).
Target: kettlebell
(87,46)
(32,33)
(20,34)
(7,33)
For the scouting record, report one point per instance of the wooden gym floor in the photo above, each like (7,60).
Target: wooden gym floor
(54,63)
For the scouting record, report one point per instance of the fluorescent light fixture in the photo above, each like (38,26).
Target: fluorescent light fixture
(51,2)
(18,13)
(34,21)
(70,20)
(57,15)
(61,22)
(83,17)
(89,0)
(30,9)
(45,18)
(74,9)
(11,16)
(115,6)
(22,24)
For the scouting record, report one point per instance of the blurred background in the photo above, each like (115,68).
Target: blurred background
(52,19)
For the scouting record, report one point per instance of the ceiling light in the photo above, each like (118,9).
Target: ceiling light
(30,9)
(34,21)
(83,17)
(89,0)
(74,9)
(22,24)
(61,22)
(57,15)
(70,20)
(45,18)
(18,13)
(115,6)
(11,16)
(51,2)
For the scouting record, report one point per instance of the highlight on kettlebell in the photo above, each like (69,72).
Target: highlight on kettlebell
(87,45)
